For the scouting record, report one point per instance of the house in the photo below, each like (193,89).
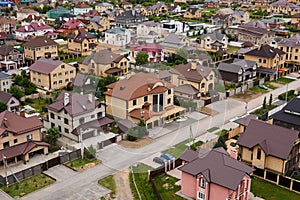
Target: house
(270,147)
(3,38)
(7,24)
(149,31)
(155,52)
(192,80)
(58,11)
(117,36)
(214,41)
(283,7)
(79,121)
(32,19)
(214,175)
(82,9)
(34,29)
(10,58)
(81,41)
(295,19)
(40,47)
(70,26)
(211,3)
(238,71)
(129,18)
(174,26)
(51,74)
(174,8)
(12,102)
(173,42)
(104,63)
(231,19)
(102,7)
(141,9)
(24,13)
(126,5)
(99,24)
(142,97)
(5,82)
(192,13)
(288,116)
(158,9)
(21,139)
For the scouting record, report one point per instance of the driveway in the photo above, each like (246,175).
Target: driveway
(149,160)
(60,172)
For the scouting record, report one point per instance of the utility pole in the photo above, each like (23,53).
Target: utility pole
(286,93)
(5,170)
(81,140)
(191,139)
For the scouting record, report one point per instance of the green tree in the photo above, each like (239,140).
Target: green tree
(264,103)
(3,106)
(52,135)
(182,53)
(16,92)
(141,58)
(270,100)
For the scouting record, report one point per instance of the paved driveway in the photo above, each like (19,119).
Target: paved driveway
(60,172)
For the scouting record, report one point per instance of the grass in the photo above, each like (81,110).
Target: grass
(258,90)
(79,163)
(283,80)
(232,49)
(29,185)
(271,191)
(219,87)
(141,180)
(259,112)
(38,103)
(73,59)
(213,129)
(167,188)
(196,144)
(269,85)
(109,183)
(178,149)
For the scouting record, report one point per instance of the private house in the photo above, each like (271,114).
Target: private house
(79,117)
(24,13)
(129,18)
(214,175)
(295,19)
(10,58)
(82,9)
(149,31)
(103,7)
(81,41)
(98,23)
(283,7)
(117,36)
(238,71)
(40,47)
(214,41)
(32,19)
(173,42)
(5,82)
(232,19)
(192,13)
(7,24)
(12,102)
(21,140)
(34,29)
(58,11)
(142,9)
(270,147)
(104,63)
(174,26)
(51,74)
(192,80)
(63,19)
(70,26)
(155,52)
(158,9)
(3,38)
(142,97)
(211,3)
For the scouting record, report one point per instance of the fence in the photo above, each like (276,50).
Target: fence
(39,168)
(278,179)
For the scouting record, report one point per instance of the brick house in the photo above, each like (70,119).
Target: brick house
(10,58)
(81,41)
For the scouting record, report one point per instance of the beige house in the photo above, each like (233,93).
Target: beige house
(40,47)
(295,19)
(283,7)
(158,9)
(104,63)
(5,82)
(142,97)
(270,147)
(81,41)
(214,41)
(20,137)
(192,13)
(102,7)
(99,23)
(24,13)
(291,46)
(51,74)
(149,30)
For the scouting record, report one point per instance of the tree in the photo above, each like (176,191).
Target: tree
(182,53)
(264,103)
(141,58)
(270,100)
(3,106)
(16,92)
(52,135)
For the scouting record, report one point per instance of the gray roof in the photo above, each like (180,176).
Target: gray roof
(236,65)
(5,97)
(4,76)
(104,4)
(186,89)
(172,38)
(290,42)
(102,57)
(116,30)
(214,36)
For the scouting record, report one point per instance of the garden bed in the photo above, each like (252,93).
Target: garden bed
(80,164)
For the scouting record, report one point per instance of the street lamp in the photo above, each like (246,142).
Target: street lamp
(277,56)
(5,170)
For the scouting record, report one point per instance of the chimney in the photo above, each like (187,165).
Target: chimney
(26,28)
(194,65)
(5,122)
(66,99)
(22,113)
(90,98)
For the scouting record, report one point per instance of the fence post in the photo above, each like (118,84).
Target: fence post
(291,185)
(265,173)
(149,175)
(277,181)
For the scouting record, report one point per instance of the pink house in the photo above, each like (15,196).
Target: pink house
(155,51)
(214,175)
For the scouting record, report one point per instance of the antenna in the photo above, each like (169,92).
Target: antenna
(191,139)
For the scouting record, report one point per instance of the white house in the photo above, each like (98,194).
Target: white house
(149,31)
(82,9)
(34,29)
(12,102)
(5,82)
(117,36)
(173,26)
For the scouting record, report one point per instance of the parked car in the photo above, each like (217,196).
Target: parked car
(167,156)
(263,87)
(160,160)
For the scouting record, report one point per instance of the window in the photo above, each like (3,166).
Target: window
(202,183)
(258,155)
(55,83)
(29,137)
(259,60)
(62,66)
(201,196)
(60,82)
(296,57)
(52,125)
(169,91)
(99,114)
(39,80)
(296,50)
(59,74)
(71,72)
(58,117)
(145,98)
(202,85)
(66,73)
(81,120)
(92,116)
(54,75)
(66,130)
(5,145)
(169,100)
(211,77)
(265,61)
(66,121)
(59,128)
(15,141)
(67,80)
(134,102)
(46,48)
(52,115)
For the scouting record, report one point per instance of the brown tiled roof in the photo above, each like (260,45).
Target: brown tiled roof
(219,168)
(3,35)
(137,85)
(17,124)
(113,70)
(245,120)
(274,140)
(45,66)
(5,97)
(136,113)
(189,155)
(39,42)
(81,35)
(103,57)
(265,51)
(28,11)
(83,5)
(5,50)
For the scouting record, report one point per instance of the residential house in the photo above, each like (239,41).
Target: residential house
(173,42)
(24,13)
(270,147)
(20,137)
(238,71)
(5,82)
(155,52)
(81,41)
(58,11)
(32,19)
(104,63)
(174,8)
(174,26)
(51,74)
(102,7)
(235,18)
(283,7)
(214,41)
(70,26)
(158,9)
(149,31)
(10,58)
(99,24)
(192,80)
(214,175)
(295,19)
(3,38)
(192,13)
(142,97)
(40,47)
(79,117)
(82,9)
(117,36)
(142,9)
(12,102)
(34,29)
(7,24)
(126,5)
(211,3)
(129,18)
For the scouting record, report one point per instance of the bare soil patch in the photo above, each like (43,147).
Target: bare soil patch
(247,96)
(123,185)
(135,144)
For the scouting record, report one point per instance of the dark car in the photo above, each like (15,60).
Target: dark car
(160,160)
(167,156)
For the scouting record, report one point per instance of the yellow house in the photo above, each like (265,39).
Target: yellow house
(20,137)
(99,24)
(295,19)
(40,47)
(192,13)
(158,9)
(142,97)
(105,62)
(283,7)
(291,47)
(82,42)
(51,74)
(270,147)
(102,7)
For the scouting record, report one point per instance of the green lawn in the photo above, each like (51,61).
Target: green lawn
(271,191)
(28,185)
(109,183)
(73,59)
(178,149)
(220,87)
(259,112)
(212,129)
(232,49)
(258,89)
(79,163)
(38,103)
(167,188)
(269,85)
(141,180)
(283,80)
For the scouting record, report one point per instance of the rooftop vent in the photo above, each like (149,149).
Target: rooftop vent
(66,99)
